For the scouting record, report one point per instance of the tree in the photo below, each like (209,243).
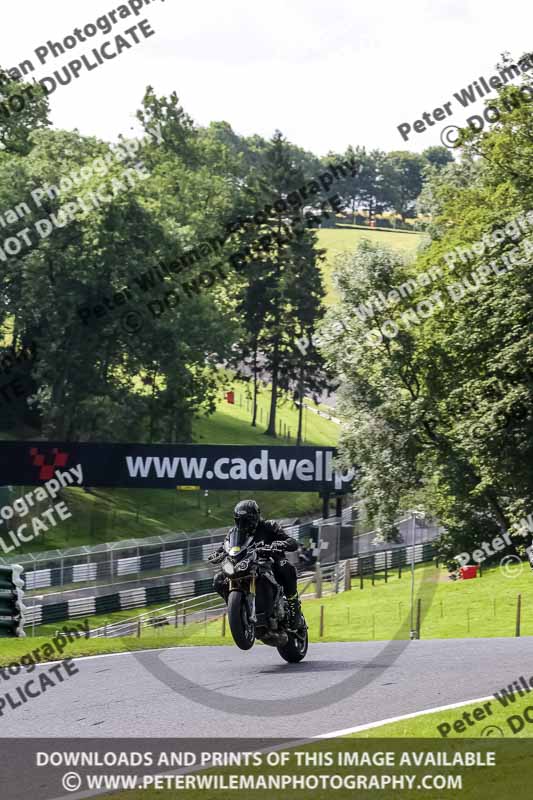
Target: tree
(402,182)
(437,156)
(371,181)
(100,381)
(281,288)
(438,406)
(24,108)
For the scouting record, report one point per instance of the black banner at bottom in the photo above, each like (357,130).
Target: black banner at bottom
(218,769)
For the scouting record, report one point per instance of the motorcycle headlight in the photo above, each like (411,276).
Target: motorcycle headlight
(228,568)
(243,565)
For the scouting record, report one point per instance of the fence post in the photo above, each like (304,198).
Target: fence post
(361,578)
(400,568)
(176,620)
(223,625)
(184,616)
(139,625)
(373,568)
(347,575)
(321,627)
(418,609)
(386,558)
(518,609)
(318,582)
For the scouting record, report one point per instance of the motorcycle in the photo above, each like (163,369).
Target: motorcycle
(256,605)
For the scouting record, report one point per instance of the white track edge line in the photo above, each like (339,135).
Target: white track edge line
(401,717)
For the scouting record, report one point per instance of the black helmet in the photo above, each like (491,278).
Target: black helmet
(247,516)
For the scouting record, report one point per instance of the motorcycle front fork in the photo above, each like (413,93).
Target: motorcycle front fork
(249,596)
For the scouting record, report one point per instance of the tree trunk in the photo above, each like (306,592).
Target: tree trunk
(301,409)
(274,364)
(254,416)
(271,430)
(152,408)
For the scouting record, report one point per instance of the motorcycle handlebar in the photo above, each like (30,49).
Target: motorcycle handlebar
(268,549)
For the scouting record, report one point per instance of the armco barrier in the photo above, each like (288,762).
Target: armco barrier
(120,559)
(118,601)
(173,592)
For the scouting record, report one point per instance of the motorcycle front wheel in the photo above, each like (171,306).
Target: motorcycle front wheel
(296,648)
(242,629)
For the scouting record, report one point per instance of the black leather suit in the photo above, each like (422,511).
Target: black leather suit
(284,572)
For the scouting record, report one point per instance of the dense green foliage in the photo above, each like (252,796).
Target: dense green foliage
(437,389)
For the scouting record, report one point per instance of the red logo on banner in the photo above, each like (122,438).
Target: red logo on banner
(46,472)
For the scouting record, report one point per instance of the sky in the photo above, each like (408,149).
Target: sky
(327,74)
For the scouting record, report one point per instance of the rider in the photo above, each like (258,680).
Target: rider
(248,519)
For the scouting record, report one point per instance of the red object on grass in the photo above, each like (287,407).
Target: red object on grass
(468,572)
(230,397)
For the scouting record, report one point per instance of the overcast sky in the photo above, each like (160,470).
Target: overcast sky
(327,74)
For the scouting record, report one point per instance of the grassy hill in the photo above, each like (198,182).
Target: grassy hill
(346,239)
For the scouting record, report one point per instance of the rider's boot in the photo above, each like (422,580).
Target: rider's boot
(296,619)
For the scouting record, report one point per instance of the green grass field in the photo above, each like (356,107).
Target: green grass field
(434,724)
(346,239)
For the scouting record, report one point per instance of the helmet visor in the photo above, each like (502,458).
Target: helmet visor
(246,524)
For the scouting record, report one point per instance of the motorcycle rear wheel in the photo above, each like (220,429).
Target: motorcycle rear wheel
(242,630)
(296,648)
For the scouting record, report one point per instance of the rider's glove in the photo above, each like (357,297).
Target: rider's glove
(279,546)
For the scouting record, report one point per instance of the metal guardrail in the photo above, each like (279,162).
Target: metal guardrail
(327,579)
(369,555)
(116,561)
(192,610)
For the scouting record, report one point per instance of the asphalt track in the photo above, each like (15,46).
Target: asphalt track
(221,691)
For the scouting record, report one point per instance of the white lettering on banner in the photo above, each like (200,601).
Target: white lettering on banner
(259,468)
(282,469)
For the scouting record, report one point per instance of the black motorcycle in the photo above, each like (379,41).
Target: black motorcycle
(257,607)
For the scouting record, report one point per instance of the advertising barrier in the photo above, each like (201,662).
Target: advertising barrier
(166,466)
